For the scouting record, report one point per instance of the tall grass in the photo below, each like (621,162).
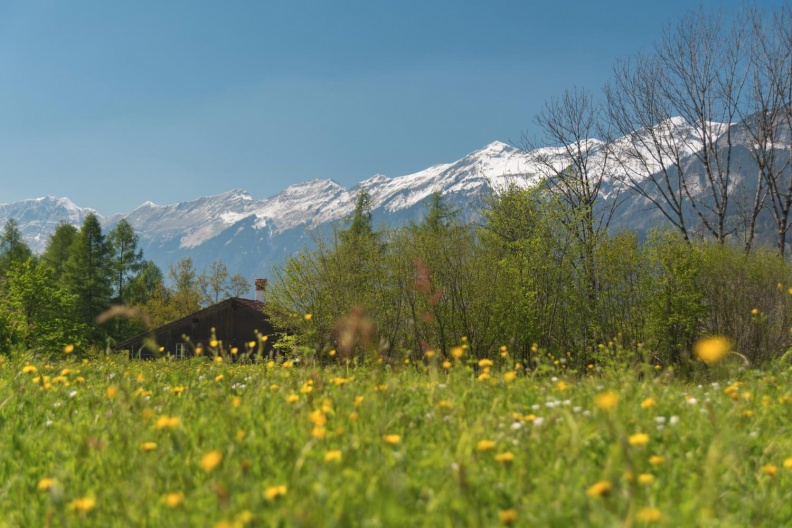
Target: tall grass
(109,441)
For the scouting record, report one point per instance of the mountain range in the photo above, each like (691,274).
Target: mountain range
(251,235)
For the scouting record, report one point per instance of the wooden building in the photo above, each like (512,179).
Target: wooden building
(235,322)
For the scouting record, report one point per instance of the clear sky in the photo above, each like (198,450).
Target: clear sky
(113,103)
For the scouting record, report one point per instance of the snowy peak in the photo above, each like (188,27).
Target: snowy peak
(39,217)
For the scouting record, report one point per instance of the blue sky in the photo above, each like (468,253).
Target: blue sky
(113,103)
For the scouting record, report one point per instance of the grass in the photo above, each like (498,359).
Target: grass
(106,441)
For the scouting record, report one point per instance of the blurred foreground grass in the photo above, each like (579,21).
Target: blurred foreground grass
(111,442)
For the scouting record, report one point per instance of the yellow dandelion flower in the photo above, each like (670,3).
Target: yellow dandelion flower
(317,417)
(599,489)
(607,400)
(561,386)
(485,445)
(211,460)
(241,434)
(638,439)
(353,416)
(509,376)
(292,398)
(29,369)
(457,352)
(46,483)
(505,458)
(649,515)
(218,378)
(148,446)
(68,349)
(358,401)
(656,460)
(213,343)
(485,363)
(712,349)
(507,517)
(646,479)
(218,359)
(273,492)
(648,403)
(755,311)
(83,504)
(251,344)
(392,439)
(111,392)
(331,353)
(333,456)
(788,463)
(236,402)
(308,317)
(166,422)
(174,499)
(770,469)
(234,350)
(429,354)
(288,364)
(177,390)
(447,364)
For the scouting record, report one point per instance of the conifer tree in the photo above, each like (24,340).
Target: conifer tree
(126,259)
(87,272)
(13,249)
(57,251)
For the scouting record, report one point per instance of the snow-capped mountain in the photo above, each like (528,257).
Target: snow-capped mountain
(38,218)
(250,235)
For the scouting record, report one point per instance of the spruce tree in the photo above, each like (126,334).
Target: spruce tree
(126,259)
(57,251)
(87,272)
(13,249)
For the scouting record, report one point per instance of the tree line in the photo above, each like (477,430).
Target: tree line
(63,296)
(521,279)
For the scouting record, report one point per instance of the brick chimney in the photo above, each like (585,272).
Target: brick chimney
(261,288)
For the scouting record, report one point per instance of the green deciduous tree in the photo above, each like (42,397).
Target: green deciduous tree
(217,283)
(43,312)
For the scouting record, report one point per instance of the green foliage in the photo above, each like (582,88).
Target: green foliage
(87,273)
(41,311)
(13,248)
(58,247)
(526,281)
(217,284)
(126,259)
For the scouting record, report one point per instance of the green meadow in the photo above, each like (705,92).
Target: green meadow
(106,441)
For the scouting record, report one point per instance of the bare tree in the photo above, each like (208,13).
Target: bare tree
(577,168)
(674,109)
(652,144)
(768,120)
